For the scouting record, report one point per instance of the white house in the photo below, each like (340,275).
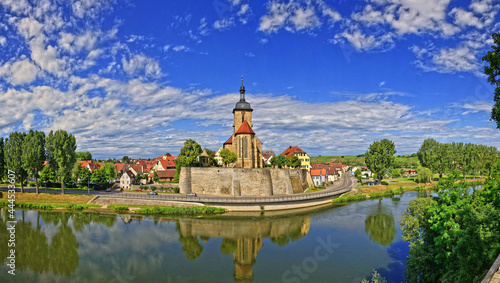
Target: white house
(126,180)
(218,158)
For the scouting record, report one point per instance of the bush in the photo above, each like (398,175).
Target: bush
(76,206)
(177,190)
(31,184)
(349,198)
(141,187)
(119,207)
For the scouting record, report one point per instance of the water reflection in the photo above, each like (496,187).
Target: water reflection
(241,237)
(379,226)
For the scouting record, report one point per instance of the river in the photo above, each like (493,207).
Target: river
(325,244)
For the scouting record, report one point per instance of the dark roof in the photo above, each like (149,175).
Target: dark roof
(229,140)
(169,173)
(245,129)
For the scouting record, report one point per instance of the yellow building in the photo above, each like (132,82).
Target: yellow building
(305,160)
(243,141)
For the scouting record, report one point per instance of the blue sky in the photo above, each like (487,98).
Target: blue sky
(138,78)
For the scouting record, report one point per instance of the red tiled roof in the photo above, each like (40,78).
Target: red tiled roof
(138,168)
(119,166)
(83,162)
(167,163)
(336,163)
(245,129)
(169,173)
(318,172)
(292,150)
(95,166)
(229,140)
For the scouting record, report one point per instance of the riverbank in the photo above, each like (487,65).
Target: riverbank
(57,202)
(378,191)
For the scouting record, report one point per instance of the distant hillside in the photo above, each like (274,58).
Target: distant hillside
(406,161)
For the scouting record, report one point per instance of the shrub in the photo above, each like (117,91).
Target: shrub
(76,206)
(177,189)
(31,184)
(349,198)
(119,208)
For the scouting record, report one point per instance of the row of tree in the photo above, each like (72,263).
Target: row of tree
(467,158)
(25,153)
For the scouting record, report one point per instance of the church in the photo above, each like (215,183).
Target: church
(243,141)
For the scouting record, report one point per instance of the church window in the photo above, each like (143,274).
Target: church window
(246,147)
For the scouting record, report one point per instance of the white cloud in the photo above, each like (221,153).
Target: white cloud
(455,59)
(223,24)
(48,60)
(381,84)
(21,72)
(249,54)
(243,9)
(464,18)
(305,18)
(333,15)
(481,7)
(179,48)
(203,29)
(3,40)
(477,106)
(141,64)
(362,42)
(276,17)
(29,28)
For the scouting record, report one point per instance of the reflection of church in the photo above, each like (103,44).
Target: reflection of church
(243,141)
(243,237)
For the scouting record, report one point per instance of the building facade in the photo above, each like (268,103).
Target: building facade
(305,160)
(243,141)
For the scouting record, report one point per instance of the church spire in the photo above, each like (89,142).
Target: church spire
(242,90)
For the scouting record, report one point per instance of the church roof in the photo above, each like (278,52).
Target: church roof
(229,140)
(245,129)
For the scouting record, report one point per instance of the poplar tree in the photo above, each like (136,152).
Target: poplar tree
(2,161)
(13,151)
(61,148)
(33,155)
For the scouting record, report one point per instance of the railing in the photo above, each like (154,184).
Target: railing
(205,199)
(494,269)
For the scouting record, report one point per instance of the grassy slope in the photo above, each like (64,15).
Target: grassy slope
(403,160)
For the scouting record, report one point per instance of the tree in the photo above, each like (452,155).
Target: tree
(85,174)
(188,156)
(424,175)
(83,155)
(47,174)
(493,73)
(104,175)
(428,154)
(294,162)
(13,156)
(75,172)
(33,156)
(126,159)
(61,154)
(280,161)
(2,161)
(396,173)
(380,156)
(357,174)
(228,156)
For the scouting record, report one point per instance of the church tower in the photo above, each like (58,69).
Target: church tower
(243,141)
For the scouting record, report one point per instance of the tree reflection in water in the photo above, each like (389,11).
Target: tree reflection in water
(379,226)
(241,237)
(33,251)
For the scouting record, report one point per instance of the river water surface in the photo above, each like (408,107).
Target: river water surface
(326,244)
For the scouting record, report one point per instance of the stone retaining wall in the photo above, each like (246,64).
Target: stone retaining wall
(107,201)
(244,181)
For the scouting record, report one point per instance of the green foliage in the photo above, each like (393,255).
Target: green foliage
(181,210)
(47,174)
(357,174)
(454,237)
(118,208)
(188,157)
(76,206)
(376,278)
(61,154)
(228,156)
(396,173)
(83,155)
(424,175)
(28,205)
(280,161)
(380,156)
(349,198)
(493,73)
(294,162)
(379,226)
(13,152)
(156,178)
(2,161)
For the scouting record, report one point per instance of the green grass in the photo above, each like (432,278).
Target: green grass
(406,161)
(181,210)
(47,206)
(118,208)
(349,198)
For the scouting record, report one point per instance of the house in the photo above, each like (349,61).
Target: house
(94,166)
(218,158)
(119,167)
(318,176)
(126,180)
(410,173)
(305,160)
(204,158)
(164,164)
(166,175)
(267,155)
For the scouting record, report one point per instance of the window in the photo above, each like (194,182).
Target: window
(246,147)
